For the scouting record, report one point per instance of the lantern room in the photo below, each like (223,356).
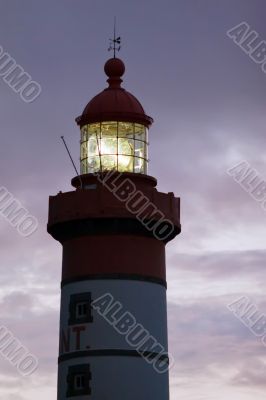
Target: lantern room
(114,128)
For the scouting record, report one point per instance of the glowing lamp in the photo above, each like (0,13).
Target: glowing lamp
(120,146)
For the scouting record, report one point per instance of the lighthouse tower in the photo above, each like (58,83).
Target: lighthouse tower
(113,228)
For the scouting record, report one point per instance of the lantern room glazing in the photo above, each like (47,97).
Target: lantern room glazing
(112,145)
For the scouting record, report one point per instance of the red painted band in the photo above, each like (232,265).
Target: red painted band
(118,254)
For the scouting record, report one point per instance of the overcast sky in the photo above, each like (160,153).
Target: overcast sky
(208,99)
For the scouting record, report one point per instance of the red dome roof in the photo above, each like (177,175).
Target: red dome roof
(114,103)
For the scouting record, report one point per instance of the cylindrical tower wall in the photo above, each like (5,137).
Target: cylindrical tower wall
(113,321)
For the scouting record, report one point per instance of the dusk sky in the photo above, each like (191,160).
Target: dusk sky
(208,99)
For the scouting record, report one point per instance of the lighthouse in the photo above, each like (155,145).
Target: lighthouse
(113,227)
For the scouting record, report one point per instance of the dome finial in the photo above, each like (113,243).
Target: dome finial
(114,69)
(115,43)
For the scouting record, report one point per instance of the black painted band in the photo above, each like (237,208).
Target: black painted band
(104,226)
(129,277)
(112,352)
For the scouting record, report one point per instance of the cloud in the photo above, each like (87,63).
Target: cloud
(225,265)
(210,344)
(251,374)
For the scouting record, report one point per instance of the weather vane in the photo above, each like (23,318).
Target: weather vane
(115,43)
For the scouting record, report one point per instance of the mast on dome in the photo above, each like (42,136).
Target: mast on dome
(115,43)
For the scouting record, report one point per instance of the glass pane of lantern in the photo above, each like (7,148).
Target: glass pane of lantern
(83,150)
(140,132)
(109,129)
(109,145)
(84,134)
(93,145)
(139,165)
(126,129)
(93,164)
(94,128)
(83,166)
(108,162)
(139,149)
(146,156)
(125,163)
(125,146)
